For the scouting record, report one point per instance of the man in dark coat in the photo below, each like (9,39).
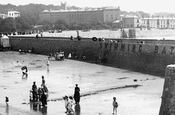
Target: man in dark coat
(77,94)
(34,91)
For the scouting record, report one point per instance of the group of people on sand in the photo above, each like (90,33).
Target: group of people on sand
(39,94)
(71,101)
(56,56)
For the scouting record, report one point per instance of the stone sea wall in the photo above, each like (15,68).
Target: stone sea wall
(48,45)
(148,57)
(168,96)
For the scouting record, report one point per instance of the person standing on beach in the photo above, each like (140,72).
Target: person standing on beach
(70,105)
(77,94)
(115,106)
(24,70)
(34,91)
(7,101)
(48,63)
(43,81)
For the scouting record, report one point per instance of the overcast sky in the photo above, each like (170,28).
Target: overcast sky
(150,6)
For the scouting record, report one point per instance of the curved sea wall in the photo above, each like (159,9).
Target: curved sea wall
(168,95)
(148,57)
(48,45)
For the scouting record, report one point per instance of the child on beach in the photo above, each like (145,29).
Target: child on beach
(68,105)
(7,101)
(43,81)
(115,105)
(24,70)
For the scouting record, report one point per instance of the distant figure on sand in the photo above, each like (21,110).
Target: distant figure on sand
(69,56)
(50,56)
(43,81)
(115,106)
(34,90)
(7,101)
(24,70)
(68,105)
(48,63)
(77,94)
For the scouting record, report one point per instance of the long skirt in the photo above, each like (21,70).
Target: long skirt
(77,97)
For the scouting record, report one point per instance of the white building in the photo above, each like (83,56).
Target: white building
(150,22)
(159,22)
(131,22)
(3,16)
(13,14)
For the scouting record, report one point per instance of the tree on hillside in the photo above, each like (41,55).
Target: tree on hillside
(5,8)
(47,25)
(7,25)
(61,24)
(22,24)
(84,26)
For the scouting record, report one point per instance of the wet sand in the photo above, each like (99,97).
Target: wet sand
(98,85)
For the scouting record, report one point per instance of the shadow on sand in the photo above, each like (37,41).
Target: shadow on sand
(24,76)
(7,110)
(77,109)
(38,108)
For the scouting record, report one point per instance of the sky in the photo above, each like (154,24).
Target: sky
(149,6)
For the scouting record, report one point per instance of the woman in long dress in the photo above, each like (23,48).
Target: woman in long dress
(77,94)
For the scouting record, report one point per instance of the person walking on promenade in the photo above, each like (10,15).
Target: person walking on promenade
(115,106)
(77,94)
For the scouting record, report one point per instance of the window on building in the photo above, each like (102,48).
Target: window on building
(111,16)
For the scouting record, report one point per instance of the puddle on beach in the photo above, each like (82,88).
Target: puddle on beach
(32,63)
(6,71)
(122,78)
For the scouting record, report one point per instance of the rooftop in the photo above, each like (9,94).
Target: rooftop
(85,9)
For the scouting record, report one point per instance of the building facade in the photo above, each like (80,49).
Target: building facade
(12,14)
(150,22)
(159,22)
(105,15)
(131,22)
(3,16)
